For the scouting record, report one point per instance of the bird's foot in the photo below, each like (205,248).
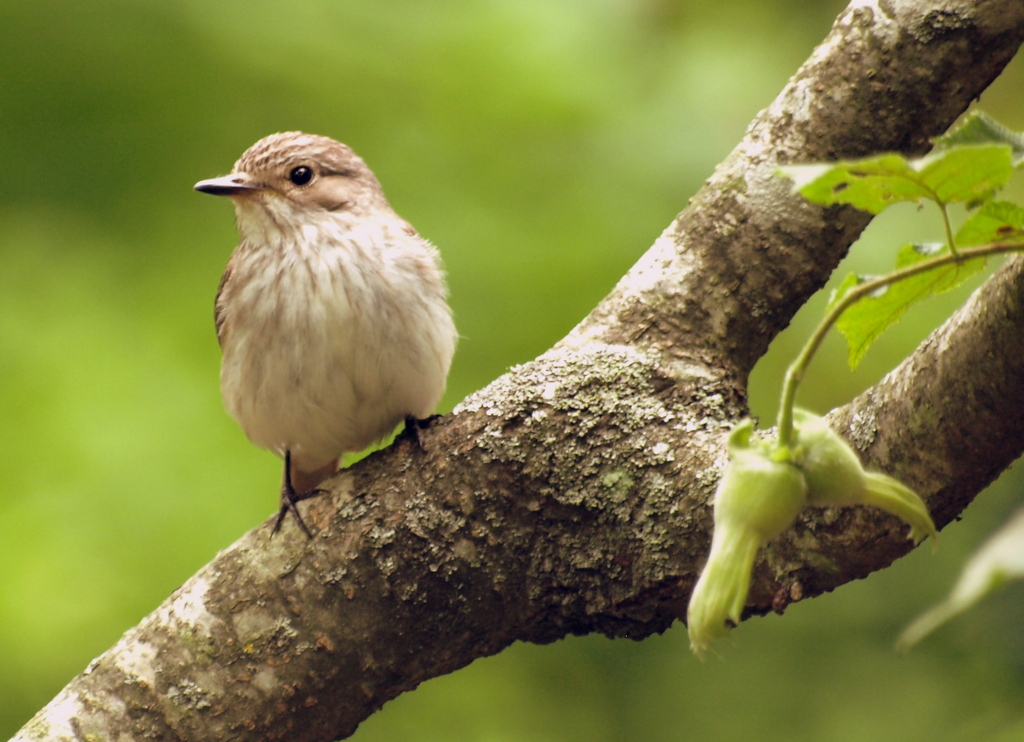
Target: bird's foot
(289,503)
(290,498)
(414,428)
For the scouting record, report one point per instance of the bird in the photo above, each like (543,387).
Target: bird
(332,314)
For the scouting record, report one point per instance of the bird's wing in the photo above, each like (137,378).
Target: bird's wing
(218,306)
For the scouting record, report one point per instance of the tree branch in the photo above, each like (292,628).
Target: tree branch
(571,495)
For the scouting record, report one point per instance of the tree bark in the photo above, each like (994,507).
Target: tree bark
(571,495)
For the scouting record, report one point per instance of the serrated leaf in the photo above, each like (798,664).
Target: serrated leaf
(980,128)
(960,173)
(871,184)
(998,561)
(965,173)
(851,281)
(996,221)
(865,321)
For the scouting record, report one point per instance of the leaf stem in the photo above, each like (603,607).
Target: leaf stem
(797,369)
(949,228)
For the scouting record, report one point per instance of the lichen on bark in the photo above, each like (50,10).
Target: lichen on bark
(571,495)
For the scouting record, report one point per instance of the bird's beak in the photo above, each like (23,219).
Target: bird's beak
(227,185)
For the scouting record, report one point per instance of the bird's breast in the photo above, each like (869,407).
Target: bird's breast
(327,349)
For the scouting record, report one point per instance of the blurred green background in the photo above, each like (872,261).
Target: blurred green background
(542,145)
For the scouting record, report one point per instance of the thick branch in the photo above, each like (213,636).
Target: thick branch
(940,423)
(729,273)
(571,494)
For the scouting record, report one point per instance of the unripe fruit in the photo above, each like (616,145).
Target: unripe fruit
(757,498)
(835,477)
(757,493)
(761,492)
(833,470)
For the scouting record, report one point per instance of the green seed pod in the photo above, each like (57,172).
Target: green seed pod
(835,477)
(756,492)
(833,470)
(757,498)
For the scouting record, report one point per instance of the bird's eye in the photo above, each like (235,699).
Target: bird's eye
(300,175)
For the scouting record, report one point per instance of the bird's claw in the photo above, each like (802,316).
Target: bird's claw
(289,502)
(290,499)
(414,428)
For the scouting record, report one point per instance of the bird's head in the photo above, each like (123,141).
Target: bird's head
(294,179)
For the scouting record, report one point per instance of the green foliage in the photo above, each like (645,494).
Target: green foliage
(965,166)
(863,322)
(806,461)
(997,562)
(968,165)
(980,128)
(995,221)
(963,173)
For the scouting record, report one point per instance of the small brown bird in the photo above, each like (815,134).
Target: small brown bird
(331,314)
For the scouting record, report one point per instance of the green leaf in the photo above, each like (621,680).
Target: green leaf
(871,184)
(863,323)
(965,173)
(998,561)
(996,221)
(968,172)
(979,128)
